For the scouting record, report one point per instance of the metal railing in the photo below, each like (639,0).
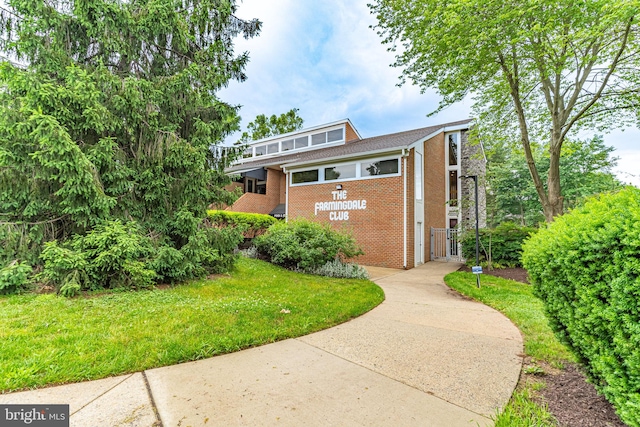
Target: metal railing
(445,245)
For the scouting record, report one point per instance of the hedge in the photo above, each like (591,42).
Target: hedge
(503,244)
(254,224)
(585,266)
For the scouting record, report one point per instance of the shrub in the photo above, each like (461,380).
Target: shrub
(305,244)
(112,255)
(117,255)
(585,266)
(252,224)
(339,269)
(14,277)
(501,245)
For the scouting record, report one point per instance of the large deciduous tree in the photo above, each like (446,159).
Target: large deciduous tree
(511,195)
(540,69)
(263,126)
(108,112)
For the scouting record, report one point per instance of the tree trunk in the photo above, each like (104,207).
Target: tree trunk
(555,201)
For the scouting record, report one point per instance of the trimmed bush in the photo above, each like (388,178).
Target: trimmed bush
(252,224)
(304,244)
(503,245)
(585,266)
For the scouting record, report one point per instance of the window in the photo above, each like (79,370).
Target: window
(382,167)
(272,148)
(340,172)
(261,151)
(453,188)
(319,138)
(453,149)
(418,176)
(305,176)
(302,142)
(287,145)
(334,135)
(247,153)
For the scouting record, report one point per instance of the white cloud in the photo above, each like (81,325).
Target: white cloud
(322,57)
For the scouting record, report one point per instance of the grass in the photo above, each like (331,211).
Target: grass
(516,301)
(48,339)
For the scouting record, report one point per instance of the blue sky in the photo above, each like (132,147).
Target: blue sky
(322,58)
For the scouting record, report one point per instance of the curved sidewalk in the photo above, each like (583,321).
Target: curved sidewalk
(425,357)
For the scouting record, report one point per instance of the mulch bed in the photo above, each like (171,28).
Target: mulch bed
(574,401)
(569,396)
(518,274)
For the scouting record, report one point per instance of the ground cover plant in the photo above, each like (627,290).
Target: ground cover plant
(49,339)
(585,266)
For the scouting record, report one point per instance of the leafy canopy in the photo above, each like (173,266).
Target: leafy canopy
(586,171)
(263,126)
(108,112)
(540,69)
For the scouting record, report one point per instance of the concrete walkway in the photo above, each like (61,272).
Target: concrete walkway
(424,357)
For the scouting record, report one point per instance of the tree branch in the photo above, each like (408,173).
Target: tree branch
(612,68)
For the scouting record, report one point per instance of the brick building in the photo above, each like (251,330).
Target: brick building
(389,191)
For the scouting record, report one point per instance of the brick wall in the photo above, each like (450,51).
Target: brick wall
(349,134)
(434,187)
(377,229)
(262,203)
(411,219)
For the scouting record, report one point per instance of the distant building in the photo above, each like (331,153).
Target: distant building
(399,194)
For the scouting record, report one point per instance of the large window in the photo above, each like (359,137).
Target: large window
(418,176)
(453,188)
(272,148)
(334,135)
(319,138)
(382,167)
(287,145)
(453,149)
(365,169)
(304,176)
(300,143)
(340,172)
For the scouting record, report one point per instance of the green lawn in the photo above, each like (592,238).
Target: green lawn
(48,339)
(516,301)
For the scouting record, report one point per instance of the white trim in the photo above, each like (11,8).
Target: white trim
(300,132)
(404,216)
(350,157)
(449,210)
(286,196)
(358,165)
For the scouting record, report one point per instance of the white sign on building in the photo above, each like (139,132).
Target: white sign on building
(340,206)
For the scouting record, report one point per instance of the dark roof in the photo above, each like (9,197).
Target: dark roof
(392,141)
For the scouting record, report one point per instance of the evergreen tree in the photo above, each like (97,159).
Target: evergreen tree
(108,113)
